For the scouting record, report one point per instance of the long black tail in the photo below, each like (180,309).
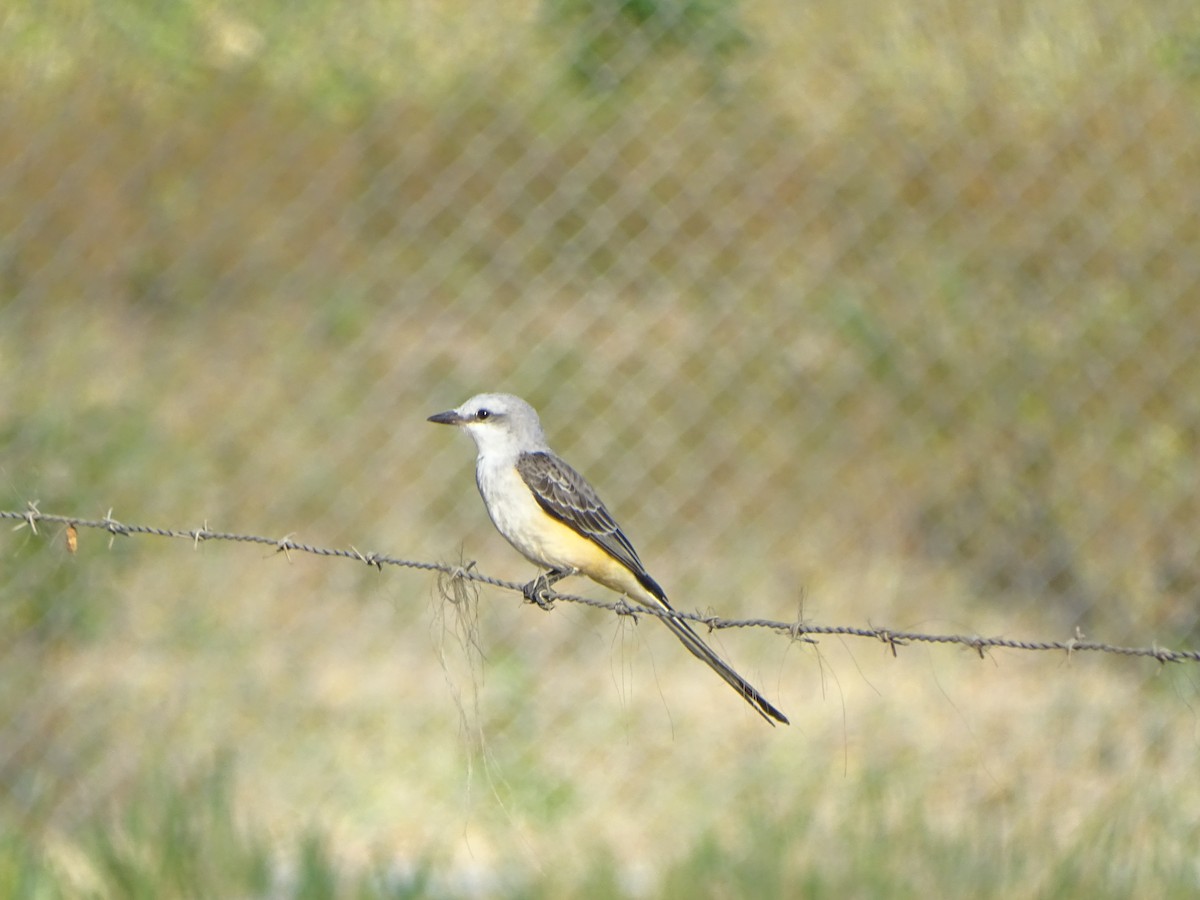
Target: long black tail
(702,651)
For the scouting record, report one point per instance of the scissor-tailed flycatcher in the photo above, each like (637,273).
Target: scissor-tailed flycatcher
(553,517)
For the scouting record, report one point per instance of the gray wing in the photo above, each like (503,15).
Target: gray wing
(565,494)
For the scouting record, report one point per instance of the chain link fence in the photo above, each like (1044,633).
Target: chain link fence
(867,315)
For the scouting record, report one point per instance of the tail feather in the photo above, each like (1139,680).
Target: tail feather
(702,651)
(655,596)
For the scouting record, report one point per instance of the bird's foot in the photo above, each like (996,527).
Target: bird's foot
(538,590)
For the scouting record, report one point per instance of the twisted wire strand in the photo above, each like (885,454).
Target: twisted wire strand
(31,516)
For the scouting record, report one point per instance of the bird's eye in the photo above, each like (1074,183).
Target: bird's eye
(483,414)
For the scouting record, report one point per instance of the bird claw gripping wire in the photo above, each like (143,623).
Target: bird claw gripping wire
(538,590)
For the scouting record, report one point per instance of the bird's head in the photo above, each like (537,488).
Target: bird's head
(497,423)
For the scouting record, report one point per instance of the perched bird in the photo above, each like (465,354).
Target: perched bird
(554,518)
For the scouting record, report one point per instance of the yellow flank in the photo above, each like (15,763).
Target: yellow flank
(560,542)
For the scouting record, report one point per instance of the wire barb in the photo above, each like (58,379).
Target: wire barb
(891,640)
(622,608)
(31,516)
(797,631)
(285,546)
(112,526)
(199,534)
(371,559)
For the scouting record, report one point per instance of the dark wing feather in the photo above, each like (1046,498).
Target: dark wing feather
(565,494)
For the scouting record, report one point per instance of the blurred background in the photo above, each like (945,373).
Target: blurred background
(870,314)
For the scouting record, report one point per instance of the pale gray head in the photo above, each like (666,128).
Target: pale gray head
(498,423)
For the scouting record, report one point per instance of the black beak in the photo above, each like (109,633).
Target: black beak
(449,417)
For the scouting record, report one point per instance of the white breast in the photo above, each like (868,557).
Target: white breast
(513,510)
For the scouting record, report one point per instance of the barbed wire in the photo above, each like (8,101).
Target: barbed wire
(798,630)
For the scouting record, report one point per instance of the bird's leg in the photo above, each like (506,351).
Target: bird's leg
(538,590)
